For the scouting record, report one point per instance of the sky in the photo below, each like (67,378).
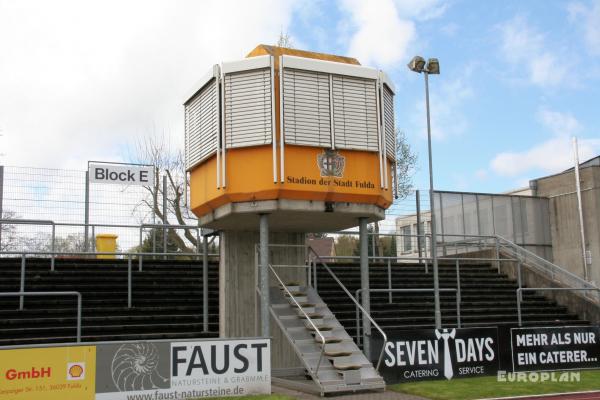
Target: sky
(84,80)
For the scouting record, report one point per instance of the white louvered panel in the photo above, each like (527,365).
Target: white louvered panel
(201,125)
(390,128)
(355,113)
(306,108)
(248,108)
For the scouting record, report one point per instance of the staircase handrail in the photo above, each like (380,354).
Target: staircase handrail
(544,266)
(323,341)
(334,276)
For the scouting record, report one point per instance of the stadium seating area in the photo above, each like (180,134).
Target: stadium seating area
(167,300)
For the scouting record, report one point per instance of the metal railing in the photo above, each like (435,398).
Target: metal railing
(23,294)
(544,267)
(521,290)
(129,257)
(93,227)
(357,304)
(359,291)
(310,321)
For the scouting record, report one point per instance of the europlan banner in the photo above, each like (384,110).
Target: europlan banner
(148,370)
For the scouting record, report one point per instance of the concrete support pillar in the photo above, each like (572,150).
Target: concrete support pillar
(264,275)
(239,277)
(364,284)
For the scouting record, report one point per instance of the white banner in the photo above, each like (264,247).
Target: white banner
(127,174)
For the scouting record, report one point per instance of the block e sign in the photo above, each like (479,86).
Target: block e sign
(125,174)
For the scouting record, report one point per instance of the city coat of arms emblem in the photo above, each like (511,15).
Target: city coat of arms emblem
(331,164)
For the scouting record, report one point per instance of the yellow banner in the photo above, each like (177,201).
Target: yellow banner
(55,373)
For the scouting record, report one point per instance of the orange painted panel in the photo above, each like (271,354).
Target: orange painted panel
(250,178)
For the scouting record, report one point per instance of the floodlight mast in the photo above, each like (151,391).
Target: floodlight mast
(418,65)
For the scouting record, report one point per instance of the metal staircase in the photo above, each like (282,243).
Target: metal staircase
(329,355)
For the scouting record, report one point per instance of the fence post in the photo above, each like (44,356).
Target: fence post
(358,335)
(519,274)
(129,280)
(1,199)
(497,253)
(389,271)
(53,246)
(425,259)
(364,284)
(314,268)
(141,238)
(93,244)
(205,283)
(198,244)
(22,286)
(164,209)
(87,210)
(519,294)
(458,292)
(419,232)
(79,317)
(154,208)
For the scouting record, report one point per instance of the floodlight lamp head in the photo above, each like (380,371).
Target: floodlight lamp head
(433,66)
(417,64)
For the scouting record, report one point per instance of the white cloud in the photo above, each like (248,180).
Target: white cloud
(447,98)
(552,155)
(559,123)
(526,48)
(382,31)
(79,80)
(588,18)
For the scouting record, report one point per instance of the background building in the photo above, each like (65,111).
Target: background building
(542,218)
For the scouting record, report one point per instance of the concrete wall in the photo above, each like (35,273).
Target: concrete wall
(564,218)
(238,300)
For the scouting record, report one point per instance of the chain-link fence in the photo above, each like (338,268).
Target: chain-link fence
(60,196)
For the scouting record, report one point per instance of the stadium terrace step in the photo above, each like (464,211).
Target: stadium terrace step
(487,297)
(167,301)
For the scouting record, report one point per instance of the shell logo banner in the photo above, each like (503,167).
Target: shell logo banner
(152,370)
(50,373)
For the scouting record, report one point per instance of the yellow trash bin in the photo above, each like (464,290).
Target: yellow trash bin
(106,242)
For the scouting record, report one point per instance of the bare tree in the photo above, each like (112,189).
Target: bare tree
(405,169)
(170,162)
(407,164)
(8,233)
(284,40)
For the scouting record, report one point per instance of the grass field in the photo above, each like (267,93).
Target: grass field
(486,387)
(257,397)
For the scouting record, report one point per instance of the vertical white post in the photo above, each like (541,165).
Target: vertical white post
(87,210)
(1,197)
(580,208)
(164,210)
(273,125)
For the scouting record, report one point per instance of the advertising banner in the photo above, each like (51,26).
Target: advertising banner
(128,174)
(183,370)
(439,354)
(148,370)
(555,348)
(54,373)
